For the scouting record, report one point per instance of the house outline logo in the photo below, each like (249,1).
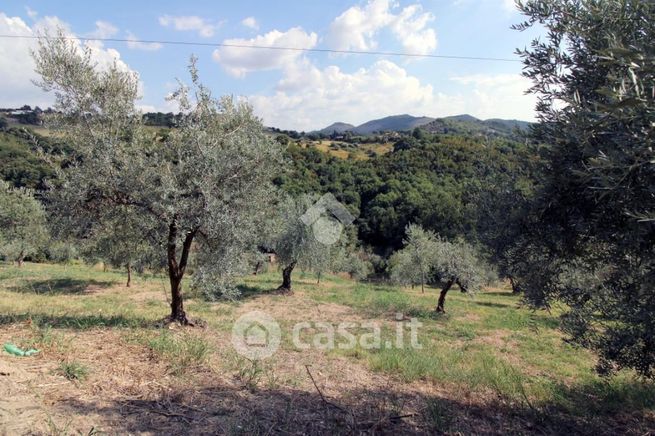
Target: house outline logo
(256,335)
(327,218)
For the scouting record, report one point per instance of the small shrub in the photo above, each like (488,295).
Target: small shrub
(438,415)
(505,380)
(251,373)
(182,353)
(73,370)
(43,338)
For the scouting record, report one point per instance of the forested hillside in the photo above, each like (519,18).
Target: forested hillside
(436,180)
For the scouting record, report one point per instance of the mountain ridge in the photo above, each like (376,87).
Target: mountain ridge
(463,123)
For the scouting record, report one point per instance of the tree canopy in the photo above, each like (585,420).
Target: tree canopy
(206,185)
(591,229)
(23,229)
(294,241)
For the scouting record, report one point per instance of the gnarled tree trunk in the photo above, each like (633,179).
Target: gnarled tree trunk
(176,271)
(444,292)
(442,296)
(422,281)
(515,287)
(286,278)
(128,267)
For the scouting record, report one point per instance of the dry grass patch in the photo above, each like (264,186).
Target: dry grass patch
(483,368)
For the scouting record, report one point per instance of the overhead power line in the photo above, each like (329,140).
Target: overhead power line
(266,47)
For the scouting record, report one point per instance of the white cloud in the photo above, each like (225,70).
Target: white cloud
(31,12)
(104,30)
(410,27)
(238,61)
(308,97)
(16,87)
(134,44)
(505,5)
(357,27)
(205,28)
(498,96)
(251,23)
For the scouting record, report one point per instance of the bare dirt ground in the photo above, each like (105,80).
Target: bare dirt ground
(132,389)
(129,390)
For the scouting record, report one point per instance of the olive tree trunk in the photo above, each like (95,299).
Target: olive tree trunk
(444,291)
(21,258)
(515,287)
(176,271)
(128,267)
(442,296)
(286,278)
(422,281)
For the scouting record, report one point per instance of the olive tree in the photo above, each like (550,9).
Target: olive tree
(347,256)
(414,263)
(294,243)
(426,257)
(201,189)
(458,263)
(595,215)
(23,229)
(116,241)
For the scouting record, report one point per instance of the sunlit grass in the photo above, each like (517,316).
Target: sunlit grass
(486,344)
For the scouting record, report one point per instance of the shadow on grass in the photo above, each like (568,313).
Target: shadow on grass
(77,322)
(65,286)
(247,292)
(605,397)
(221,408)
(267,281)
(496,305)
(500,294)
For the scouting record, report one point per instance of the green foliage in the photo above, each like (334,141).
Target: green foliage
(593,224)
(294,242)
(73,370)
(414,264)
(347,256)
(117,241)
(19,162)
(23,229)
(437,182)
(252,372)
(206,185)
(62,251)
(462,263)
(426,257)
(181,352)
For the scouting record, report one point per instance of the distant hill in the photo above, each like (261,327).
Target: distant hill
(469,125)
(395,123)
(459,124)
(337,127)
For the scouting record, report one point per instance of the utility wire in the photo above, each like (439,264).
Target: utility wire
(266,47)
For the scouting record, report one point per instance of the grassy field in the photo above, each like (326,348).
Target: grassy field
(357,152)
(108,366)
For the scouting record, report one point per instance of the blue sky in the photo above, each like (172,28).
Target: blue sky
(295,90)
